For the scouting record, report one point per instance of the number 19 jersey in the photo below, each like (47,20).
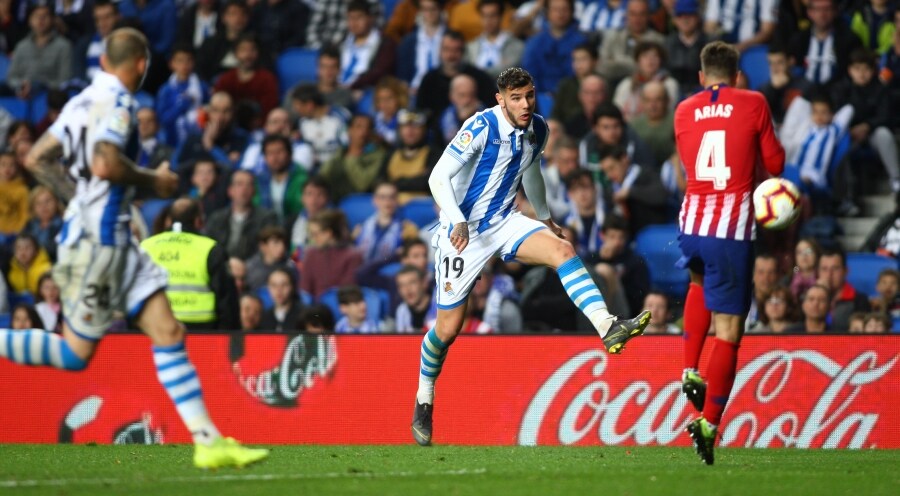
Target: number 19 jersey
(721,133)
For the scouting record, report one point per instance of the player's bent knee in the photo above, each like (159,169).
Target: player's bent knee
(564,252)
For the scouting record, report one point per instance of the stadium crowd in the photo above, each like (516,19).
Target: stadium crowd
(306,131)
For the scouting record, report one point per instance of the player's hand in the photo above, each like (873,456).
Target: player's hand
(165,182)
(554,228)
(459,237)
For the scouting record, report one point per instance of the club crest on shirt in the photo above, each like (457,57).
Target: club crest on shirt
(532,139)
(463,139)
(448,288)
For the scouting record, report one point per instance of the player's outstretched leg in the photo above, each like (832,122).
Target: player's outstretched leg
(433,354)
(696,325)
(39,347)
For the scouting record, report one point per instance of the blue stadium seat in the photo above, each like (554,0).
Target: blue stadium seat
(145,99)
(366,104)
(38,107)
(16,107)
(377,303)
(4,66)
(5,320)
(419,211)
(296,65)
(388,6)
(151,208)
(545,104)
(306,298)
(863,270)
(263,294)
(390,270)
(357,207)
(24,298)
(755,65)
(659,246)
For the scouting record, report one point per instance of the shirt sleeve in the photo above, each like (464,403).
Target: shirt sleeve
(470,141)
(115,127)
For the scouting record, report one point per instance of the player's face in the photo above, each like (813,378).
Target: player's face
(832,272)
(411,288)
(518,103)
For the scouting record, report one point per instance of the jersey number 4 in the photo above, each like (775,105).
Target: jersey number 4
(711,160)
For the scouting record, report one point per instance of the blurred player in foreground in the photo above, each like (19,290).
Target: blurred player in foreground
(101,270)
(720,134)
(475,183)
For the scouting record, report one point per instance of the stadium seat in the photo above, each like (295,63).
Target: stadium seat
(145,99)
(357,207)
(419,211)
(24,298)
(151,208)
(5,320)
(306,298)
(4,67)
(388,6)
(377,303)
(366,104)
(296,65)
(263,294)
(545,104)
(755,65)
(659,246)
(37,108)
(390,270)
(16,107)
(863,270)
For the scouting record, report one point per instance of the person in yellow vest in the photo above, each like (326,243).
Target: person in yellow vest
(202,293)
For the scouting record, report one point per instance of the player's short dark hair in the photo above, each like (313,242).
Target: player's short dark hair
(577,176)
(834,251)
(271,232)
(359,6)
(125,44)
(615,223)
(589,47)
(410,269)
(308,92)
(318,316)
(349,294)
(616,151)
(183,47)
(863,56)
(719,59)
(499,3)
(409,244)
(320,183)
(514,78)
(610,111)
(276,138)
(651,46)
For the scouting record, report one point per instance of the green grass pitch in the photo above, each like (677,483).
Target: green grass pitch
(408,470)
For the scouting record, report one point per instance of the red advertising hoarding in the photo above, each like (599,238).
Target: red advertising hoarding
(800,391)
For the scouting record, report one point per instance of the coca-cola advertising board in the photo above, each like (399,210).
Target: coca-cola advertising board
(798,391)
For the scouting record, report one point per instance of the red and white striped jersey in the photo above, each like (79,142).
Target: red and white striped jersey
(721,133)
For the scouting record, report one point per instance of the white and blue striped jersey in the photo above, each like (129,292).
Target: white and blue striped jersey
(741,19)
(104,111)
(817,151)
(599,16)
(494,155)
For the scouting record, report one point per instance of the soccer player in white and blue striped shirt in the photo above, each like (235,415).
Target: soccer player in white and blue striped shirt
(475,184)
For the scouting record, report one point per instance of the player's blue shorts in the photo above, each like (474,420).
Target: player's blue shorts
(727,268)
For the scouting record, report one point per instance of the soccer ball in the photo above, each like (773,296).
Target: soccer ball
(775,202)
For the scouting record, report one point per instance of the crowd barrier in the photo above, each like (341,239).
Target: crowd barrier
(796,391)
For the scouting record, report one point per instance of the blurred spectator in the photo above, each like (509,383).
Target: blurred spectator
(804,275)
(822,51)
(745,24)
(25,317)
(355,168)
(281,24)
(152,150)
(548,54)
(219,137)
(564,163)
(20,130)
(280,185)
(780,311)
(216,54)
(463,17)
(464,103)
(871,111)
(328,72)
(586,214)
(353,313)
(494,302)
(47,303)
(888,288)
(42,60)
(316,197)
(158,19)
(845,298)
(436,83)
(28,264)
(617,49)
(416,313)
(284,316)
(321,124)
(857,323)
(655,123)
(633,191)
(330,260)
(877,323)
(248,82)
(683,46)
(56,100)
(379,236)
(495,49)
(46,218)
(273,254)
(14,200)
(410,164)
(366,54)
(12,30)
(251,312)
(815,312)
(872,22)
(182,97)
(391,95)
(4,294)
(884,238)
(574,103)
(329,23)
(277,123)
(600,16)
(783,85)
(414,252)
(237,227)
(616,262)
(529,18)
(87,50)
(650,63)
(658,304)
(609,128)
(317,319)
(765,277)
(419,51)
(205,181)
(6,121)
(199,22)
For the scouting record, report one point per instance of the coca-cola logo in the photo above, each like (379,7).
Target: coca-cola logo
(305,359)
(645,414)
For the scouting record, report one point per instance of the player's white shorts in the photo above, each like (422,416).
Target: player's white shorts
(95,281)
(455,274)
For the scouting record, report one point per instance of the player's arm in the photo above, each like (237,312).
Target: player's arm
(43,162)
(536,191)
(442,191)
(110,163)
(771,151)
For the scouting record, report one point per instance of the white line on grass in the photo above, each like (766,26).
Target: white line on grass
(235,477)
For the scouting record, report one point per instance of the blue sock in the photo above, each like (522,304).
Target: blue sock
(433,354)
(179,377)
(38,347)
(584,293)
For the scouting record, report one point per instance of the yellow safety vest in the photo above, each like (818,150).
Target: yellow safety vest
(184,256)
